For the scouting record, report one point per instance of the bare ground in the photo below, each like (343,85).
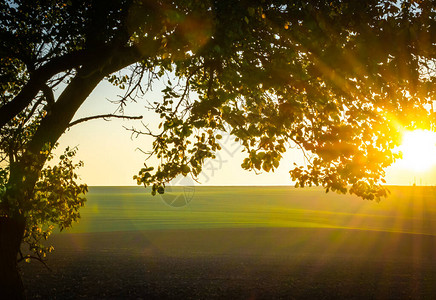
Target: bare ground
(274,263)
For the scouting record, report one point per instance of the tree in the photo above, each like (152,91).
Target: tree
(337,78)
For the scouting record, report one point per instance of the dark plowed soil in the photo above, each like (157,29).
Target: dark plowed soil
(237,264)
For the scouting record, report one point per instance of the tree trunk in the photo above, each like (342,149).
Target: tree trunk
(11,236)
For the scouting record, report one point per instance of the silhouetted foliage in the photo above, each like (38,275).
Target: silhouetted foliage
(339,79)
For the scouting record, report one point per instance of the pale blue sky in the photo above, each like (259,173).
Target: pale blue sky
(111,156)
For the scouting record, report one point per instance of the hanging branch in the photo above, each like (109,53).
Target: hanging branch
(103,117)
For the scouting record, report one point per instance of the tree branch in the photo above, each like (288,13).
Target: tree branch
(56,65)
(103,117)
(28,256)
(79,88)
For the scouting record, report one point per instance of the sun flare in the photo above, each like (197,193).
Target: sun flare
(419,150)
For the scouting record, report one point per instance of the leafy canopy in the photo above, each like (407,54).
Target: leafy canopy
(339,79)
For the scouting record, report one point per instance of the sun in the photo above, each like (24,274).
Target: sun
(419,150)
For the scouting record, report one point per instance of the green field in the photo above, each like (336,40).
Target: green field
(243,243)
(408,209)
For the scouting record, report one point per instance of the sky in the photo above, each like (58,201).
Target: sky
(111,156)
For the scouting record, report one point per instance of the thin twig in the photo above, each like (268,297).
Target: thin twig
(137,133)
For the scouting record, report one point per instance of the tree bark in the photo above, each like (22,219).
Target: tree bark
(11,235)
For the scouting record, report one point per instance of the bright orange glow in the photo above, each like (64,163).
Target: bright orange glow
(419,150)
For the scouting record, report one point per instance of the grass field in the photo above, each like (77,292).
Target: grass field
(243,243)
(408,209)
